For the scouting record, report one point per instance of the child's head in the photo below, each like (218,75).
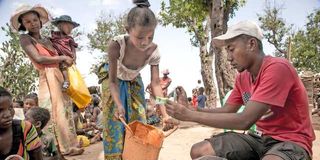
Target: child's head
(201,90)
(6,109)
(17,104)
(141,23)
(39,117)
(31,100)
(194,92)
(95,100)
(65,24)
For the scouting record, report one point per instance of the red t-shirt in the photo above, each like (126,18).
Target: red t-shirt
(278,85)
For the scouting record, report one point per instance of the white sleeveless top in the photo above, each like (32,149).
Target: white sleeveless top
(125,73)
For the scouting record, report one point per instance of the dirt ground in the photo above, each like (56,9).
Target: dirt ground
(177,146)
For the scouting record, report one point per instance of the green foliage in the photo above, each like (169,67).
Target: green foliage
(306,45)
(193,15)
(275,29)
(108,26)
(233,5)
(189,14)
(16,72)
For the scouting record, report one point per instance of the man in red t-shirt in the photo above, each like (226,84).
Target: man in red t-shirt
(275,99)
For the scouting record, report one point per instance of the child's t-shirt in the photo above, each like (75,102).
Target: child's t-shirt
(201,101)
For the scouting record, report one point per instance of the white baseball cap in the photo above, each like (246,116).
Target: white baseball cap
(244,27)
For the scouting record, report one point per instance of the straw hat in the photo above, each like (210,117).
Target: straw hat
(14,20)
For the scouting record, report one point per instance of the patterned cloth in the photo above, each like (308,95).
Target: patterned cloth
(63,44)
(28,139)
(132,98)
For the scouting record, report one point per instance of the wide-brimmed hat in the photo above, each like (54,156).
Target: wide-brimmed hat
(14,20)
(64,18)
(244,27)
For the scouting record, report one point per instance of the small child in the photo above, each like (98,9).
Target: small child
(86,129)
(195,98)
(96,111)
(201,98)
(30,101)
(152,117)
(39,117)
(64,43)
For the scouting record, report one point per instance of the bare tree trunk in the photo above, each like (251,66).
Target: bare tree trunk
(219,16)
(207,75)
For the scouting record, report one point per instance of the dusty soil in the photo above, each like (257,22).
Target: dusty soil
(177,146)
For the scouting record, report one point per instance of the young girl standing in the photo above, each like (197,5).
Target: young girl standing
(128,54)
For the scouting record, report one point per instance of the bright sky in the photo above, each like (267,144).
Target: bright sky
(177,53)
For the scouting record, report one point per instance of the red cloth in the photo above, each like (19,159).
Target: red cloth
(194,101)
(63,44)
(44,51)
(278,85)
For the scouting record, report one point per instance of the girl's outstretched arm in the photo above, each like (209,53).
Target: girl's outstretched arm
(157,92)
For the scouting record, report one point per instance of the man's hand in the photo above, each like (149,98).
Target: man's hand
(178,111)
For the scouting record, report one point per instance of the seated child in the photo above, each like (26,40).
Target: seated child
(64,43)
(85,128)
(152,116)
(30,101)
(17,137)
(96,111)
(39,117)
